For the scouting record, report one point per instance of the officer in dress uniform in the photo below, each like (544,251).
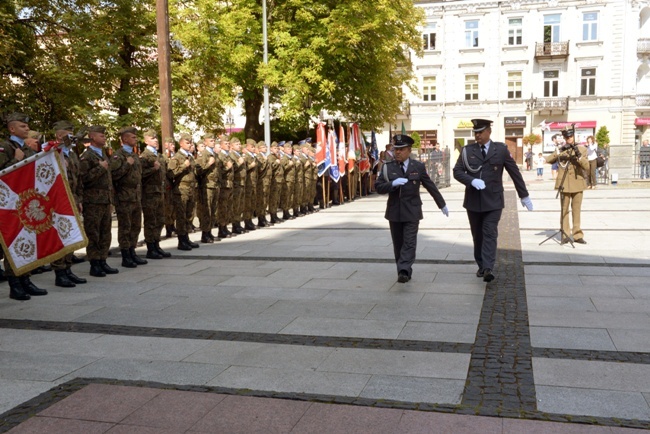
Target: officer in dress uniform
(95,176)
(154,180)
(401,180)
(126,173)
(62,267)
(181,168)
(12,152)
(572,159)
(480,169)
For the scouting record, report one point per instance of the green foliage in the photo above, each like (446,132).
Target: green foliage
(416,139)
(532,139)
(602,137)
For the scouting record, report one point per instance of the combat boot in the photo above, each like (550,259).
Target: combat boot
(96,269)
(152,252)
(107,268)
(73,277)
(127,260)
(62,279)
(29,287)
(286,216)
(236,229)
(182,244)
(191,243)
(161,251)
(138,260)
(206,238)
(261,223)
(77,260)
(223,233)
(249,225)
(16,290)
(275,219)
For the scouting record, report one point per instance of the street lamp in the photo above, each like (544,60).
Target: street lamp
(230,121)
(530,106)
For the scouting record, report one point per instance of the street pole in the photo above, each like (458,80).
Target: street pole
(267,114)
(164,70)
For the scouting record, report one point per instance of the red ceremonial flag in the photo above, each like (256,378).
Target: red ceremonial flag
(39,221)
(352,150)
(364,162)
(321,143)
(341,154)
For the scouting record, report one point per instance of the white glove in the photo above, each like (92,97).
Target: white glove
(478,184)
(399,181)
(445,211)
(525,201)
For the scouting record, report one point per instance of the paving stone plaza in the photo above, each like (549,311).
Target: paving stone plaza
(303,328)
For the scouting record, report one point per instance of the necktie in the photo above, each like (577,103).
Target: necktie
(403,167)
(483,151)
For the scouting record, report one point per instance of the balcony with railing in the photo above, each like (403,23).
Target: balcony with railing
(643,100)
(643,46)
(405,110)
(551,50)
(554,105)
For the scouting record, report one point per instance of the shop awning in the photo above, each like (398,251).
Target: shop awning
(579,124)
(641,121)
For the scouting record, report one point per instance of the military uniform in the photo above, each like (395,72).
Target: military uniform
(154,184)
(289,169)
(168,197)
(181,169)
(277,181)
(574,184)
(126,173)
(20,287)
(208,172)
(226,184)
(264,173)
(98,198)
(250,192)
(239,184)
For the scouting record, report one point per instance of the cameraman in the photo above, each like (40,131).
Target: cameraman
(571,159)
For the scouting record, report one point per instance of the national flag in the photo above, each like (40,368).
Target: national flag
(332,143)
(342,160)
(352,150)
(320,143)
(364,163)
(374,150)
(403,129)
(39,220)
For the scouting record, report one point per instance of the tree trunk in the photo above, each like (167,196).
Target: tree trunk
(252,105)
(126,54)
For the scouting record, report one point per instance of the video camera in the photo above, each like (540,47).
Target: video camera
(75,139)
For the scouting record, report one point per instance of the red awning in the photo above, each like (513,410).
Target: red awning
(563,125)
(641,121)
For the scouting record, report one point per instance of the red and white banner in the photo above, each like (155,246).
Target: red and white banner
(39,220)
(321,144)
(352,150)
(563,125)
(342,160)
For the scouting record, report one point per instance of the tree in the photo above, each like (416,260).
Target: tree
(349,57)
(532,139)
(602,137)
(416,139)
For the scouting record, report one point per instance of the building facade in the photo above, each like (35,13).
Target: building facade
(534,67)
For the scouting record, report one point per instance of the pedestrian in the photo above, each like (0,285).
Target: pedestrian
(644,160)
(539,165)
(13,151)
(557,143)
(480,169)
(95,176)
(401,179)
(592,156)
(529,158)
(572,159)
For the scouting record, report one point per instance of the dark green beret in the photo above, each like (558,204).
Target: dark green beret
(151,133)
(17,117)
(63,125)
(97,129)
(186,137)
(127,130)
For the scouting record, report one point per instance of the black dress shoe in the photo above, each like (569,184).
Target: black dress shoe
(73,277)
(487,275)
(403,277)
(480,272)
(580,241)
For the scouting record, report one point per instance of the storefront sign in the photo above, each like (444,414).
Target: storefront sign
(514,121)
(563,125)
(465,124)
(641,121)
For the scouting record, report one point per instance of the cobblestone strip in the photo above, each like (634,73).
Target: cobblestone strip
(22,412)
(500,373)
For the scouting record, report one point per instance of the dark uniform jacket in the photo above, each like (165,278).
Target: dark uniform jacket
(489,170)
(127,177)
(404,202)
(96,181)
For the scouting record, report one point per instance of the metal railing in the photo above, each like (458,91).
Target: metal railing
(643,46)
(555,103)
(552,49)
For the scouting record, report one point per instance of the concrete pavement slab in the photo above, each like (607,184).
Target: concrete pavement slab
(572,338)
(36,367)
(359,328)
(434,331)
(414,389)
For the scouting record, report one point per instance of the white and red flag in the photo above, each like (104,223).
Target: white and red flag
(353,148)
(342,160)
(321,145)
(39,220)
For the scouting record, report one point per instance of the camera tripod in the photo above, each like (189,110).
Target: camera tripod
(560,190)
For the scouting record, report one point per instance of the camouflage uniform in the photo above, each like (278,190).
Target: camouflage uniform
(277,181)
(239,169)
(306,180)
(289,169)
(226,184)
(168,198)
(154,186)
(299,182)
(250,192)
(264,173)
(209,185)
(184,192)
